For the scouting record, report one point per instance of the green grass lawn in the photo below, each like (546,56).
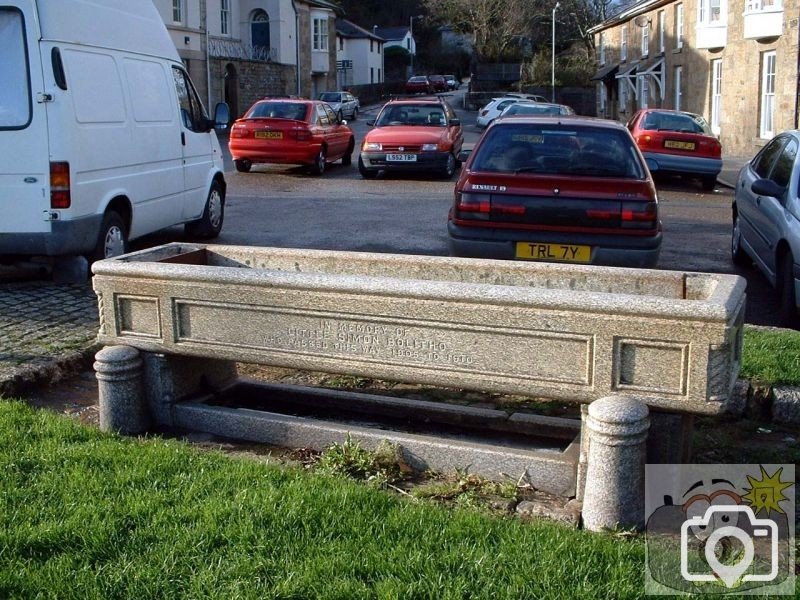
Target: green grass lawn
(92,515)
(770,357)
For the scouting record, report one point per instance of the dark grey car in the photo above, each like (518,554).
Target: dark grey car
(766,219)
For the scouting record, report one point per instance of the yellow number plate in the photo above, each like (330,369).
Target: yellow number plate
(558,252)
(270,135)
(678,145)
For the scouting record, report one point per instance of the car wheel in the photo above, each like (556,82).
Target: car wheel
(340,115)
(112,239)
(243,165)
(318,168)
(210,224)
(738,255)
(788,307)
(347,159)
(450,167)
(709,182)
(365,172)
(355,113)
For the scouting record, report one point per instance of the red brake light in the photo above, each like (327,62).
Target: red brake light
(473,206)
(59,185)
(302,135)
(639,215)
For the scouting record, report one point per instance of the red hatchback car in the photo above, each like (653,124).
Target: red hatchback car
(678,143)
(419,84)
(290,132)
(563,189)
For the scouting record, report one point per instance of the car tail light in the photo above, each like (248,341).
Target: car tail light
(301,135)
(639,215)
(646,140)
(59,185)
(473,206)
(238,131)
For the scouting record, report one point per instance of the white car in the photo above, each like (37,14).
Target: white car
(492,110)
(525,107)
(344,104)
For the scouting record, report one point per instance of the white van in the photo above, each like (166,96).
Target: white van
(103,137)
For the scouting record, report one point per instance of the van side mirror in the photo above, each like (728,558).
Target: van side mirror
(767,187)
(222,115)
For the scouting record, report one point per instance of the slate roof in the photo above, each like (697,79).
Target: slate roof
(348,29)
(392,33)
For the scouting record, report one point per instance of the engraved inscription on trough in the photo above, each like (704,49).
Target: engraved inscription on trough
(526,354)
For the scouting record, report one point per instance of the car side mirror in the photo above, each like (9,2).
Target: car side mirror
(767,187)
(455,122)
(464,155)
(371,123)
(222,115)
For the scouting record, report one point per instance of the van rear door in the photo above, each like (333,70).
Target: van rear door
(24,148)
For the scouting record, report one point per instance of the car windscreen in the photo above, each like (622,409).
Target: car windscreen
(278,110)
(15,93)
(406,114)
(330,97)
(557,149)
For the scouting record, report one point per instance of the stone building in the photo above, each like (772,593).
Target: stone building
(238,51)
(733,61)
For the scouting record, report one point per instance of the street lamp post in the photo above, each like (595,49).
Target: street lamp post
(553,69)
(413,49)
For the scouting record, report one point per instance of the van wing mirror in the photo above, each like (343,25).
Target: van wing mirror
(222,116)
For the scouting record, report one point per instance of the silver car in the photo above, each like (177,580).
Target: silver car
(344,104)
(766,219)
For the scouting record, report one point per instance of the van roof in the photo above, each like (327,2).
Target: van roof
(130,25)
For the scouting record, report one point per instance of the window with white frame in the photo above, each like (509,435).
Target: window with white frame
(716,94)
(661,31)
(645,39)
(320,30)
(709,12)
(679,25)
(678,86)
(644,89)
(602,51)
(623,43)
(177,11)
(767,128)
(224,16)
(766,5)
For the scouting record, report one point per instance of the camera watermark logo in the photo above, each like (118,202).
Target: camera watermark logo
(721,529)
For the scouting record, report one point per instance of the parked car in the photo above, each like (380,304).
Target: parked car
(766,219)
(419,84)
(574,190)
(452,82)
(536,108)
(438,82)
(493,109)
(344,104)
(413,135)
(290,132)
(678,142)
(531,97)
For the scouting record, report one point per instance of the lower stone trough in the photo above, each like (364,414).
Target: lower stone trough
(640,350)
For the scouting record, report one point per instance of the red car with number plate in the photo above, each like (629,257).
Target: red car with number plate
(559,189)
(679,143)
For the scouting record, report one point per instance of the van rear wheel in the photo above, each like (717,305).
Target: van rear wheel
(113,238)
(210,224)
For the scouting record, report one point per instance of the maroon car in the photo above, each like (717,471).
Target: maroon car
(438,82)
(419,84)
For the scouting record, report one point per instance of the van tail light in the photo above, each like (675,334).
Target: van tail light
(639,215)
(59,185)
(301,135)
(473,206)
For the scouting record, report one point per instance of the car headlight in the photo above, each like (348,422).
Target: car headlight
(372,146)
(430,147)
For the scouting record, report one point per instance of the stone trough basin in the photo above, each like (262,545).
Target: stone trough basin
(573,333)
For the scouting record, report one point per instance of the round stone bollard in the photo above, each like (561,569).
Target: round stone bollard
(123,406)
(614,491)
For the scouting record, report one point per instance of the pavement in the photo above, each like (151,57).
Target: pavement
(48,332)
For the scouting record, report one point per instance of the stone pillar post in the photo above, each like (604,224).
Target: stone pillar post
(123,405)
(614,489)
